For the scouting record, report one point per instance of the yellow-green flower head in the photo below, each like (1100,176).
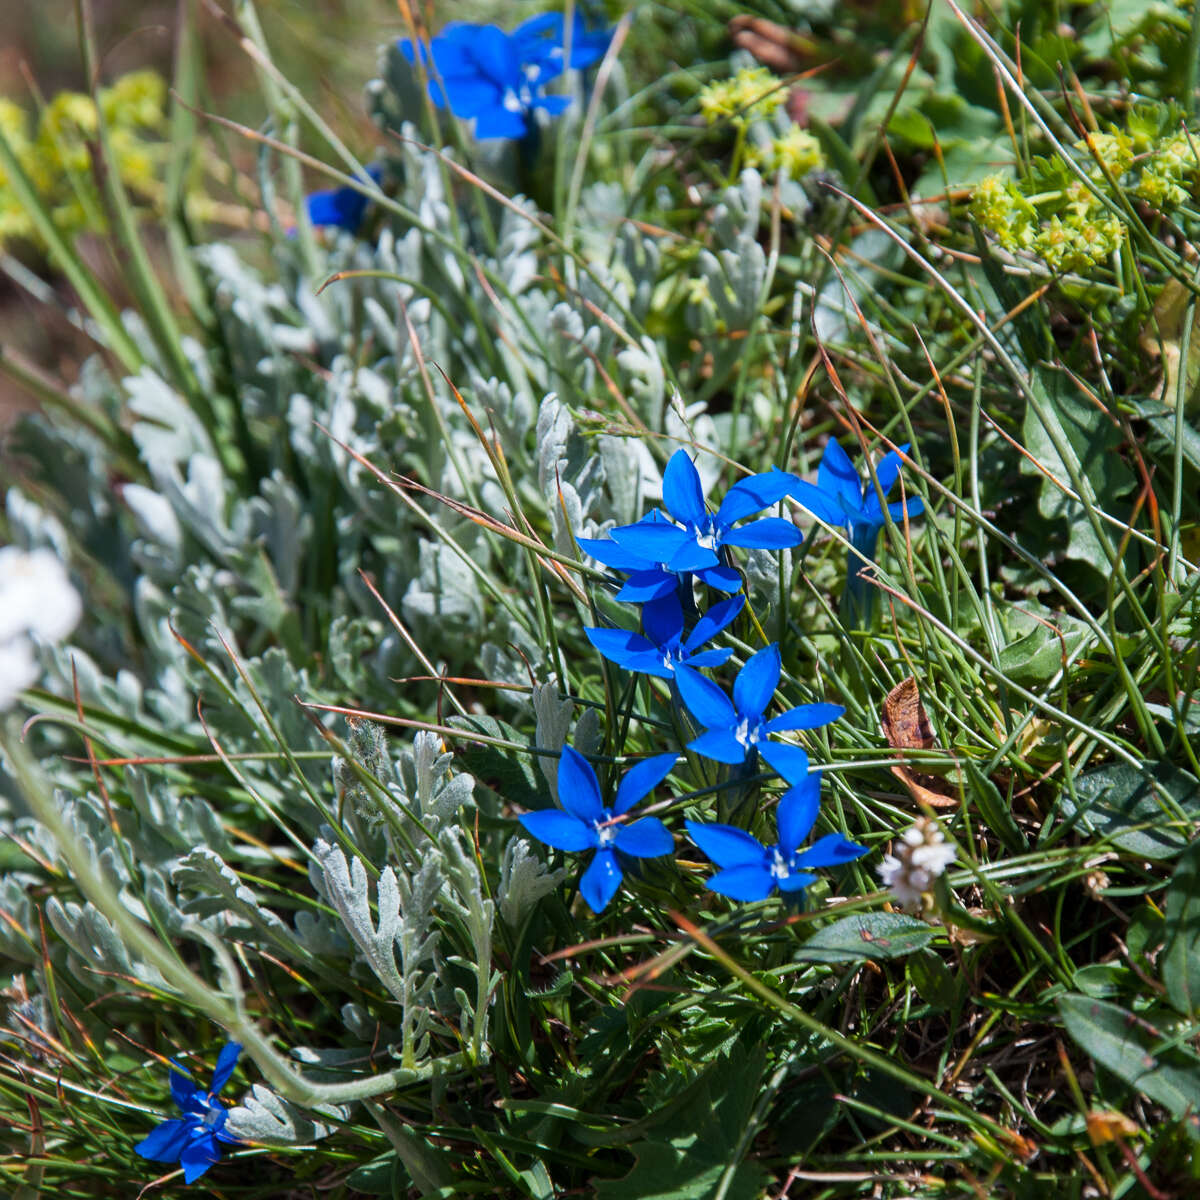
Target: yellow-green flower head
(795,152)
(1160,189)
(1114,150)
(1054,243)
(65,124)
(135,99)
(752,93)
(1081,200)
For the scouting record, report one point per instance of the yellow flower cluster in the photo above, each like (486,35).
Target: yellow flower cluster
(750,94)
(1066,223)
(795,152)
(57,158)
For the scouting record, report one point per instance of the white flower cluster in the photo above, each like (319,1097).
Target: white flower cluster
(36,601)
(922,854)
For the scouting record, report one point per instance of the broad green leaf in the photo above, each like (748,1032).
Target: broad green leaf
(876,935)
(936,984)
(1136,1052)
(1150,813)
(1181,950)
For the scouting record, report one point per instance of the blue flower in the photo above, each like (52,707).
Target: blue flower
(734,731)
(664,647)
(497,78)
(752,871)
(648,579)
(588,825)
(695,542)
(841,497)
(343,207)
(194,1140)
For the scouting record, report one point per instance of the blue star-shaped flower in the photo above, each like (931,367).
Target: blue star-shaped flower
(497,78)
(841,497)
(648,579)
(664,646)
(342,207)
(694,543)
(588,825)
(734,731)
(193,1141)
(752,871)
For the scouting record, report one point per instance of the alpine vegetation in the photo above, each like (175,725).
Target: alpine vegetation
(615,614)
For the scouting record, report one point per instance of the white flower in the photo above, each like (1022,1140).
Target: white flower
(922,854)
(36,601)
(18,670)
(35,596)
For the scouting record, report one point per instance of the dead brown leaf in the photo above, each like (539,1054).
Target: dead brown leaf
(906,727)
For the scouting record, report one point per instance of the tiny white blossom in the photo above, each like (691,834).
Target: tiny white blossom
(35,596)
(18,670)
(922,854)
(36,601)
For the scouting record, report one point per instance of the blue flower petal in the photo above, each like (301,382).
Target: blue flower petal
(837,477)
(724,579)
(916,506)
(795,881)
(614,555)
(830,851)
(586,47)
(789,762)
(888,468)
(552,105)
(756,682)
(743,883)
(652,541)
(166,1142)
(797,812)
(578,791)
(559,829)
(652,662)
(226,1062)
(691,556)
(601,880)
(717,744)
(706,702)
(498,122)
(641,780)
(819,503)
(713,621)
(727,845)
(752,495)
(708,658)
(618,645)
(804,716)
(662,619)
(682,491)
(769,533)
(642,586)
(647,838)
(187,1095)
(198,1157)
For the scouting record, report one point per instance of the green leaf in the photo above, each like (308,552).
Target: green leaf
(509,773)
(375,1178)
(875,936)
(704,1142)
(1148,812)
(1134,1051)
(935,982)
(1181,950)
